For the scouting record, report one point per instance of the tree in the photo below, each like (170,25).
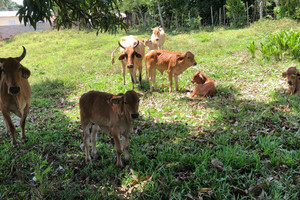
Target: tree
(102,15)
(8,5)
(236,12)
(289,8)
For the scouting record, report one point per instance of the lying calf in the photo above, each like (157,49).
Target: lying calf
(205,86)
(113,113)
(293,79)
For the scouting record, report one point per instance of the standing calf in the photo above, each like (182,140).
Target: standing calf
(15,93)
(158,37)
(174,62)
(113,113)
(293,79)
(205,86)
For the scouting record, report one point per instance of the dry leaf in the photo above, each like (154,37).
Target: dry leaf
(204,190)
(217,164)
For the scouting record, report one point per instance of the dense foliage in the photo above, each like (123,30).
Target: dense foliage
(8,5)
(99,15)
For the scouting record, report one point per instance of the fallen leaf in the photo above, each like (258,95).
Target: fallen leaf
(204,190)
(217,164)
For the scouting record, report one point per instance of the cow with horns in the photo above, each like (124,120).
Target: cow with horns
(15,93)
(132,52)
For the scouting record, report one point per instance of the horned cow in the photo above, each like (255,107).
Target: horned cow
(174,62)
(293,79)
(15,93)
(132,52)
(112,113)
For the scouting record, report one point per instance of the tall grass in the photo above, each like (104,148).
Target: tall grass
(242,143)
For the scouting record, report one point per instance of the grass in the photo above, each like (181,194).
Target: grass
(251,126)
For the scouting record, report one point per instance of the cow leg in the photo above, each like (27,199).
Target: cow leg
(94,140)
(22,123)
(10,126)
(152,74)
(86,140)
(126,147)
(116,137)
(176,81)
(170,81)
(140,75)
(124,71)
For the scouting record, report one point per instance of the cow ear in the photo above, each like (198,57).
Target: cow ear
(25,72)
(284,74)
(138,55)
(121,57)
(117,99)
(180,58)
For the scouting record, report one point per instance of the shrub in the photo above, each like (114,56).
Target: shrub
(236,12)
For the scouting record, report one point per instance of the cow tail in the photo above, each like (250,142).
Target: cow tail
(112,55)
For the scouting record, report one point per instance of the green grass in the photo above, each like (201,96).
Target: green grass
(251,125)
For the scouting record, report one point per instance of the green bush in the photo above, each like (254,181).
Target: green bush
(280,44)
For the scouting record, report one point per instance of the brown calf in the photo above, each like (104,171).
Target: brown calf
(205,86)
(174,62)
(112,113)
(147,42)
(132,52)
(158,37)
(15,93)
(293,79)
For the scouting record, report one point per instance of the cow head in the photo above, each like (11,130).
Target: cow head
(11,72)
(130,102)
(292,75)
(147,42)
(198,78)
(129,53)
(156,33)
(188,58)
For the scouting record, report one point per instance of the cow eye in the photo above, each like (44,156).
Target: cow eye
(125,102)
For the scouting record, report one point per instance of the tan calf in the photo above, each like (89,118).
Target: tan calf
(205,86)
(293,79)
(15,93)
(112,113)
(174,63)
(158,37)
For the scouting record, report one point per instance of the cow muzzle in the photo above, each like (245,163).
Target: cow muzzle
(134,116)
(195,63)
(129,66)
(14,90)
(290,82)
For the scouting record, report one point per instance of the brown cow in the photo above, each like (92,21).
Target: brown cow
(132,52)
(205,86)
(174,62)
(15,93)
(158,37)
(293,79)
(112,113)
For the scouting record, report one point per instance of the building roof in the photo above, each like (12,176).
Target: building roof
(8,13)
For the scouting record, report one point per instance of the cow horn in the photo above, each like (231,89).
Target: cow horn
(23,55)
(136,44)
(121,45)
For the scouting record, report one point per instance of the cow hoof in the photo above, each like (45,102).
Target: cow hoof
(24,140)
(119,165)
(88,160)
(94,156)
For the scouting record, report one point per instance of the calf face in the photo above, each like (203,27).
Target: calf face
(293,78)
(198,78)
(156,33)
(129,53)
(147,42)
(188,59)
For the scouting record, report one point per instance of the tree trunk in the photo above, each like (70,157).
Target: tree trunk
(212,16)
(159,13)
(261,9)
